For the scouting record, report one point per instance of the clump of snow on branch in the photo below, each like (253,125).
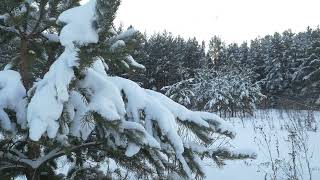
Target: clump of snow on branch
(12,96)
(79,25)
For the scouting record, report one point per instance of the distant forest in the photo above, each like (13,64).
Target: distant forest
(276,71)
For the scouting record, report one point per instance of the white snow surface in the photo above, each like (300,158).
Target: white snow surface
(51,37)
(118,44)
(12,96)
(134,63)
(4,16)
(126,34)
(79,25)
(50,94)
(249,135)
(132,149)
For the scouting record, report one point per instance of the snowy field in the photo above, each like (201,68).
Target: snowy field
(270,133)
(285,142)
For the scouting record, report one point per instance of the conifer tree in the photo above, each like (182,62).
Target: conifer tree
(59,99)
(216,52)
(229,91)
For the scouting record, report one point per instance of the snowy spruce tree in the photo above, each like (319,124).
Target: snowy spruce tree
(59,100)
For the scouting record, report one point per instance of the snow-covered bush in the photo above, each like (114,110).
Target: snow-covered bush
(77,110)
(227,92)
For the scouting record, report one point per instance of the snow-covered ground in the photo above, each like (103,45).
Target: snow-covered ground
(268,133)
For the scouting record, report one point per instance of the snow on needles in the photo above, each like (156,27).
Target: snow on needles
(51,92)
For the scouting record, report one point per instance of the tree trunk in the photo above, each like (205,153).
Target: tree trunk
(24,63)
(33,153)
(24,68)
(32,174)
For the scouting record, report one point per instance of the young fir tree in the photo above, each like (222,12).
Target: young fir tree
(57,100)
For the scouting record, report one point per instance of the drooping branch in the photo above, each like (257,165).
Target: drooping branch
(10,29)
(20,160)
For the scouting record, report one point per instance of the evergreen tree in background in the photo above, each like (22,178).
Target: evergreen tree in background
(216,52)
(163,60)
(193,59)
(285,65)
(255,59)
(307,75)
(278,63)
(169,59)
(229,92)
(59,104)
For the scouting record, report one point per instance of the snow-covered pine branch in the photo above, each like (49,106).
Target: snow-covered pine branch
(77,103)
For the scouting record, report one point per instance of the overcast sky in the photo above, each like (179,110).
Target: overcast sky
(232,20)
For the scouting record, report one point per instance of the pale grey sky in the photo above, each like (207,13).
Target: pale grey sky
(233,20)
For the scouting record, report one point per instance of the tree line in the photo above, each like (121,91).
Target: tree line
(276,71)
